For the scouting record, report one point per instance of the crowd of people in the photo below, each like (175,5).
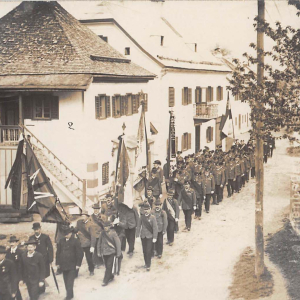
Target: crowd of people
(194,181)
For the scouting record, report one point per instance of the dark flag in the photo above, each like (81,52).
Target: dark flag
(14,179)
(42,198)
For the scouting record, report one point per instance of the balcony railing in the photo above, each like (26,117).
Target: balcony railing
(9,134)
(205,111)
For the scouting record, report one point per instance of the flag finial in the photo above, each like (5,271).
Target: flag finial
(123,127)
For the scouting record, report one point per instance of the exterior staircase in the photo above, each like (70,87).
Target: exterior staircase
(59,174)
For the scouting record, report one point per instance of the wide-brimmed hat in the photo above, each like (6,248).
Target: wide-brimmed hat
(158,162)
(31,241)
(36,225)
(13,238)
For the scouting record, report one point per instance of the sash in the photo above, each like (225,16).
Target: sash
(153,182)
(171,209)
(110,242)
(97,221)
(197,187)
(82,229)
(186,198)
(146,223)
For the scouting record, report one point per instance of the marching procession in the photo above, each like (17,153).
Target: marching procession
(196,180)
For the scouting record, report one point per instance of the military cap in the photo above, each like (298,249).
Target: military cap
(149,188)
(157,202)
(31,241)
(146,206)
(154,171)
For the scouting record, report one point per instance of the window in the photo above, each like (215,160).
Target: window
(186,141)
(171,97)
(186,96)
(116,106)
(105,173)
(209,94)
(219,93)
(104,38)
(102,105)
(41,107)
(127,51)
(198,95)
(247,119)
(161,40)
(209,134)
(129,105)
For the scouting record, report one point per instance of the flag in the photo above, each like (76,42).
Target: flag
(124,189)
(226,125)
(14,179)
(142,162)
(42,198)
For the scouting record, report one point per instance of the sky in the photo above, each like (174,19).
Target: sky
(228,24)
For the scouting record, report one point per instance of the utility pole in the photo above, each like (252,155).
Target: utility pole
(259,169)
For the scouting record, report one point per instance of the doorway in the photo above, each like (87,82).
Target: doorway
(197,138)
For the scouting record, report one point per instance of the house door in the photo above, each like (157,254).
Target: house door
(197,138)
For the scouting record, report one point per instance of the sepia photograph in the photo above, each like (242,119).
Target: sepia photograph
(150,150)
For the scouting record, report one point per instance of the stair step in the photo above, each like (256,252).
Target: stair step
(77,193)
(66,182)
(61,177)
(72,187)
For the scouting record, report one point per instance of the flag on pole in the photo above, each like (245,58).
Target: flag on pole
(142,162)
(226,125)
(124,187)
(14,179)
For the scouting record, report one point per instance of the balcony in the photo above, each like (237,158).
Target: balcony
(9,135)
(205,111)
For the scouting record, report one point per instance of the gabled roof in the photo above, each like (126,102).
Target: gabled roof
(43,38)
(146,29)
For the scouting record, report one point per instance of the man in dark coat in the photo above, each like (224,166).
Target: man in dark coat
(170,206)
(85,240)
(187,199)
(44,246)
(8,277)
(209,187)
(155,183)
(109,247)
(69,257)
(198,187)
(33,269)
(14,253)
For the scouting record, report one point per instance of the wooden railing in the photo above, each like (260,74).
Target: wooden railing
(205,111)
(9,134)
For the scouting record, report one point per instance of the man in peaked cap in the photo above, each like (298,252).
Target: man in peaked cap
(154,182)
(33,269)
(109,247)
(162,223)
(147,230)
(69,257)
(95,227)
(209,187)
(14,253)
(159,170)
(44,246)
(8,277)
(171,207)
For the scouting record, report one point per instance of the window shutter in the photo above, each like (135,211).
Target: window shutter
(171,97)
(189,141)
(54,108)
(114,106)
(27,108)
(105,173)
(146,101)
(176,144)
(183,102)
(138,102)
(107,106)
(97,107)
(221,93)
(207,133)
(182,142)
(122,105)
(190,96)
(207,94)
(211,93)
(134,104)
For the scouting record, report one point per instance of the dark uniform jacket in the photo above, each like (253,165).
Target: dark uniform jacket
(8,277)
(198,186)
(231,171)
(69,254)
(143,231)
(219,176)
(83,233)
(95,226)
(109,243)
(161,220)
(33,268)
(155,183)
(16,257)
(187,199)
(171,207)
(44,246)
(209,184)
(128,216)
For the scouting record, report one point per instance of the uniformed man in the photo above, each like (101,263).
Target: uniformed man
(108,209)
(85,240)
(14,253)
(159,170)
(155,183)
(95,226)
(187,200)
(33,269)
(198,187)
(147,230)
(44,246)
(238,174)
(231,177)
(171,207)
(109,247)
(8,277)
(209,187)
(69,257)
(219,177)
(149,197)
(162,223)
